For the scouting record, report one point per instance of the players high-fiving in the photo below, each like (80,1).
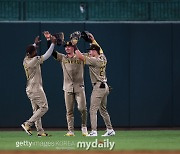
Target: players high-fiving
(72,64)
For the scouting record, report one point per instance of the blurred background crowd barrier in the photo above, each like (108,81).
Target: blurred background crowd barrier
(89,10)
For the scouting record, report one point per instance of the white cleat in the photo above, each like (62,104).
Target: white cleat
(92,133)
(109,132)
(84,131)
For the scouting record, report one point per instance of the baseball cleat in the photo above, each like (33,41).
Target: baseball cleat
(43,134)
(84,131)
(70,133)
(109,132)
(92,133)
(27,129)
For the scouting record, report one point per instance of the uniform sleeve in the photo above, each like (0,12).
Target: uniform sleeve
(35,61)
(59,56)
(90,60)
(48,43)
(94,42)
(48,52)
(54,54)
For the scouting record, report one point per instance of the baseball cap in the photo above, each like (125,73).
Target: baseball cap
(94,47)
(68,43)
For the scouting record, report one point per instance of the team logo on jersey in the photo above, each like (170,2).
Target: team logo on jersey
(72,61)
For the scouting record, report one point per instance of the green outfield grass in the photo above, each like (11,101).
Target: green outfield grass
(124,140)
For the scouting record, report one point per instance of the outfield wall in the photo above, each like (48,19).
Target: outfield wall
(89,10)
(143,69)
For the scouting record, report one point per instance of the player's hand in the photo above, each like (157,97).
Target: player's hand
(47,35)
(91,37)
(37,41)
(53,39)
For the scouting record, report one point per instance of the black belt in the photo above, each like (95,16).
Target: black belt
(102,85)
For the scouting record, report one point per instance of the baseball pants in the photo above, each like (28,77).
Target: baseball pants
(99,102)
(80,98)
(40,107)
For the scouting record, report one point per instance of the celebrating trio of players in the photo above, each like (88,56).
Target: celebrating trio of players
(74,91)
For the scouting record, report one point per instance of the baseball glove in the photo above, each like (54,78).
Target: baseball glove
(60,38)
(75,37)
(86,36)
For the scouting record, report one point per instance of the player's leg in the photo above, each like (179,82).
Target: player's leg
(38,123)
(95,104)
(40,130)
(38,98)
(41,100)
(104,113)
(26,125)
(42,108)
(69,102)
(81,101)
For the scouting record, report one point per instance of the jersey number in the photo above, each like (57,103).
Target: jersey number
(102,71)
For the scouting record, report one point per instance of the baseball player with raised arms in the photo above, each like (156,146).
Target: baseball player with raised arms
(34,89)
(97,68)
(73,86)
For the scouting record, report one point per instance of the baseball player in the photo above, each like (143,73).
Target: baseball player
(97,67)
(73,71)
(34,89)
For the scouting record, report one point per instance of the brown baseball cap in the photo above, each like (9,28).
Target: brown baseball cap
(94,47)
(68,43)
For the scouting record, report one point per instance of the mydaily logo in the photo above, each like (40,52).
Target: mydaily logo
(96,144)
